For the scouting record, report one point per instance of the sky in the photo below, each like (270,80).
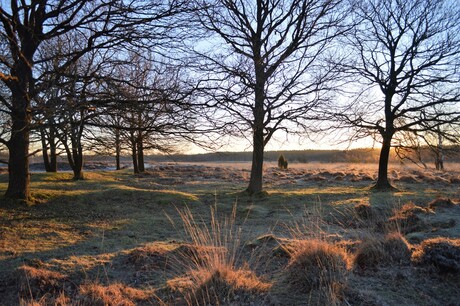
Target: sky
(283,142)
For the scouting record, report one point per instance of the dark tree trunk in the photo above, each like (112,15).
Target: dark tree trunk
(134,155)
(117,149)
(49,142)
(140,155)
(78,163)
(53,150)
(18,146)
(382,180)
(46,160)
(256,179)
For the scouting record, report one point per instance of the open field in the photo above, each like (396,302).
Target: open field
(185,234)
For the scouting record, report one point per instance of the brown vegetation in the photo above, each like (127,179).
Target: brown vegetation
(316,263)
(380,250)
(440,253)
(82,245)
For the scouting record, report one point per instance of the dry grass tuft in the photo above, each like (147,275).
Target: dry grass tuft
(221,286)
(406,218)
(397,248)
(441,203)
(315,264)
(363,211)
(214,275)
(37,282)
(60,300)
(114,294)
(382,250)
(440,253)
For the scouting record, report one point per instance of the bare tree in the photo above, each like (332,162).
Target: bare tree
(263,65)
(405,55)
(26,25)
(153,110)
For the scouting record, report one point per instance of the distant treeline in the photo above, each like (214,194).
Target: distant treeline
(452,154)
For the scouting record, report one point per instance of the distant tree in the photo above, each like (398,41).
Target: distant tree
(282,162)
(107,138)
(265,68)
(405,55)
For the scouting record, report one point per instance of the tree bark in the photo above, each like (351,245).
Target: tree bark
(134,155)
(78,163)
(46,160)
(18,146)
(140,155)
(256,179)
(53,150)
(382,180)
(117,149)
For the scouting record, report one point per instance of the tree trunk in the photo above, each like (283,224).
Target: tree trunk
(53,150)
(78,163)
(134,155)
(46,160)
(255,182)
(256,179)
(78,168)
(382,181)
(117,149)
(140,155)
(18,146)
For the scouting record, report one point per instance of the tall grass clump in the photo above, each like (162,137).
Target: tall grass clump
(378,250)
(213,272)
(442,254)
(317,268)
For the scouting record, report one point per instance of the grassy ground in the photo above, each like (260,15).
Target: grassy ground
(118,238)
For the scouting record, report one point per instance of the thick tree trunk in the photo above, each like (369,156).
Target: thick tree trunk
(140,155)
(78,163)
(18,164)
(382,180)
(256,179)
(78,169)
